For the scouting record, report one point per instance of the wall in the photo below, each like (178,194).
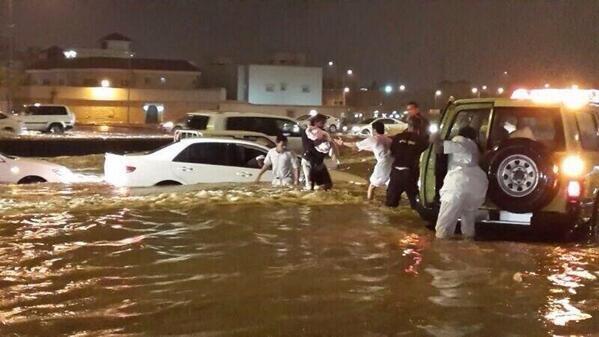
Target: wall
(93,105)
(287,84)
(119,78)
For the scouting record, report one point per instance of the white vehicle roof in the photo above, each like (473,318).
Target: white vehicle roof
(231,113)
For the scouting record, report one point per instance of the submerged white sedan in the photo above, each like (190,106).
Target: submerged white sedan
(16,170)
(193,161)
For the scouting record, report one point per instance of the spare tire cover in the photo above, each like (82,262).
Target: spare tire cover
(521,175)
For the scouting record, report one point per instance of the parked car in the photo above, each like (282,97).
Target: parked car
(333,124)
(11,124)
(236,121)
(15,170)
(47,118)
(192,161)
(392,126)
(174,126)
(542,161)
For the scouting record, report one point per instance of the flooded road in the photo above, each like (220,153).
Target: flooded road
(92,260)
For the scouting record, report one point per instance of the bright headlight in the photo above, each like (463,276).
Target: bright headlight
(572,166)
(433,128)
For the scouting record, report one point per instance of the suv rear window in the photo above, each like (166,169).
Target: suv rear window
(197,122)
(540,124)
(46,110)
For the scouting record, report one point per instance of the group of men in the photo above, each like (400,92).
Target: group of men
(464,185)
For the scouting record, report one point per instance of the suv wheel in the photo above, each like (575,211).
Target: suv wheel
(56,128)
(521,176)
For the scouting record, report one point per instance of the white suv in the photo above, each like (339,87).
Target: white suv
(48,118)
(238,121)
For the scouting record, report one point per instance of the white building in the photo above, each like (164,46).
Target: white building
(279,85)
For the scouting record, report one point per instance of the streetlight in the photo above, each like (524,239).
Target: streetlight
(547,85)
(331,63)
(484,87)
(438,94)
(474,91)
(402,88)
(349,72)
(105,83)
(500,91)
(346,90)
(388,89)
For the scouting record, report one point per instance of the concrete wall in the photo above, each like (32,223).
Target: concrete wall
(119,78)
(284,85)
(93,105)
(279,110)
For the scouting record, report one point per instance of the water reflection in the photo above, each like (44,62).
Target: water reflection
(91,260)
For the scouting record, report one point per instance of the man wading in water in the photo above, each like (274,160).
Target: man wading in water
(378,144)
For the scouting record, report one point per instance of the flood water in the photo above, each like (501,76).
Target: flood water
(92,260)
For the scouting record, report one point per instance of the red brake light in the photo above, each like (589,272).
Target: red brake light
(130,169)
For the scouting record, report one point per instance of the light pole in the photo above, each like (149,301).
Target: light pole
(438,94)
(130,75)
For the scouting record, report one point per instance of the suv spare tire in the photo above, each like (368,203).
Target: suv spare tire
(521,175)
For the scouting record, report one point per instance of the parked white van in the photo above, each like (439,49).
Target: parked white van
(47,118)
(236,121)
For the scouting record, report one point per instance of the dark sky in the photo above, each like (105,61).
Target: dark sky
(417,42)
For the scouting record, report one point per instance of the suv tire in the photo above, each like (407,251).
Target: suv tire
(521,175)
(56,128)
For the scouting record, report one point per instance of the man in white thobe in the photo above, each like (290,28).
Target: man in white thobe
(464,187)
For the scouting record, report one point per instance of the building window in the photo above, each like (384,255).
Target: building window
(46,82)
(147,80)
(270,87)
(305,88)
(124,83)
(90,82)
(61,82)
(283,86)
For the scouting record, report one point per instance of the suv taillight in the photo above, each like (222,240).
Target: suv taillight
(574,190)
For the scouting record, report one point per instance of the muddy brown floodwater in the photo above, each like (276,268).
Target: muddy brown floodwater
(92,260)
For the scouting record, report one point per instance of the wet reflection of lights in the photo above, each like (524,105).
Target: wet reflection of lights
(561,312)
(568,276)
(414,245)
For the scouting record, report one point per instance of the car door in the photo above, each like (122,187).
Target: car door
(393,127)
(588,130)
(248,163)
(432,172)
(33,119)
(207,162)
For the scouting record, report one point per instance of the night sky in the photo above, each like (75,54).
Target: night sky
(416,42)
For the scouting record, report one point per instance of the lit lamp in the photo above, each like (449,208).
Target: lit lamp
(438,93)
(346,90)
(402,88)
(388,89)
(349,72)
(500,91)
(105,83)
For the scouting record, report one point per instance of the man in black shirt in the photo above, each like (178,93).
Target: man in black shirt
(414,114)
(406,149)
(313,160)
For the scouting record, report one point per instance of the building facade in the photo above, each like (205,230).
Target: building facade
(110,84)
(280,85)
